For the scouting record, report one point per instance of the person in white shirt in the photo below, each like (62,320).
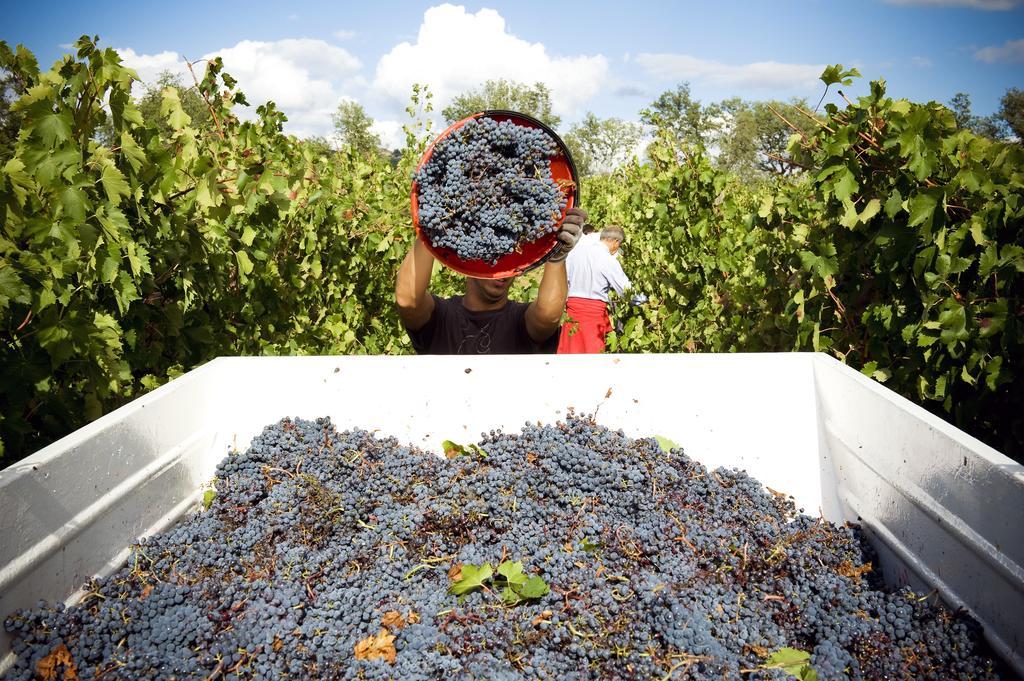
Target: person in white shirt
(593,270)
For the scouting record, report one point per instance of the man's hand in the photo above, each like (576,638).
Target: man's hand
(545,313)
(569,233)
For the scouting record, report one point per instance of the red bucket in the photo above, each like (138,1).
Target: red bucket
(528,255)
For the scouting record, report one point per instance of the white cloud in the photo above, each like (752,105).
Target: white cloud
(991,5)
(391,133)
(302,76)
(295,73)
(299,75)
(922,62)
(757,75)
(149,66)
(1010,52)
(456,50)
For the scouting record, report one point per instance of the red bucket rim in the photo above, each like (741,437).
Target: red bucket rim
(529,255)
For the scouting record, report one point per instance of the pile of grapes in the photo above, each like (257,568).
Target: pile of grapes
(487,189)
(566,550)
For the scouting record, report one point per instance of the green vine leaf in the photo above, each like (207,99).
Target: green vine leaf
(512,572)
(473,577)
(792,661)
(666,445)
(451,450)
(836,74)
(922,207)
(53,128)
(170,107)
(114,183)
(534,587)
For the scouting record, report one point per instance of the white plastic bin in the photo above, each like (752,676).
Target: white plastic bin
(943,509)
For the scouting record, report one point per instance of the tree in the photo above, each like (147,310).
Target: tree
(318,144)
(192,103)
(503,94)
(1011,110)
(682,115)
(993,127)
(753,136)
(352,128)
(10,121)
(18,69)
(599,145)
(960,105)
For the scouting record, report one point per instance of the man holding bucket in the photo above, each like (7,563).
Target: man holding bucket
(484,320)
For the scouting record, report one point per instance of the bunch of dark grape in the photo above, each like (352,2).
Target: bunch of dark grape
(487,189)
(332,555)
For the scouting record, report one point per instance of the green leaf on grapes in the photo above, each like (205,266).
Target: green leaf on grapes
(208,497)
(509,596)
(792,661)
(666,444)
(473,577)
(452,450)
(534,587)
(512,571)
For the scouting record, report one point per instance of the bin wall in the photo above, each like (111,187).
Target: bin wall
(943,509)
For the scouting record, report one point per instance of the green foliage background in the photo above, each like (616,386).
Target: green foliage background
(135,247)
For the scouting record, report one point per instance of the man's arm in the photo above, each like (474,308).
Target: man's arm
(415,304)
(617,278)
(544,314)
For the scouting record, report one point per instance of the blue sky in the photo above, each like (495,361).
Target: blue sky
(611,58)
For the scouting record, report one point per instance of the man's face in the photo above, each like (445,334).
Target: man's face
(613,245)
(492,290)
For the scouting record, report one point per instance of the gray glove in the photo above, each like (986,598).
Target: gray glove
(569,234)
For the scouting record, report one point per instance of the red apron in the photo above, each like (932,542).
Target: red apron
(586,328)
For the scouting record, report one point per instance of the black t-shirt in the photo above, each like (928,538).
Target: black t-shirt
(454,330)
